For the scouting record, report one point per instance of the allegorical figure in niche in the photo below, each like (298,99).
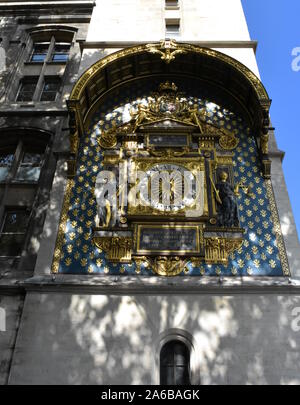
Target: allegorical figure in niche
(227,204)
(104,214)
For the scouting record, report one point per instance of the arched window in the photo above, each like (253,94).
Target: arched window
(51,44)
(23,152)
(175,364)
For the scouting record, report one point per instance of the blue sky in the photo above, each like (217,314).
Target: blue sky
(276,26)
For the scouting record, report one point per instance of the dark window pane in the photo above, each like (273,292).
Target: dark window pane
(5,165)
(28,173)
(11,245)
(15,222)
(182,376)
(13,233)
(30,167)
(169,375)
(50,90)
(32,158)
(27,89)
(171,3)
(167,355)
(48,96)
(39,53)
(51,86)
(60,53)
(6,159)
(174,28)
(38,57)
(180,353)
(60,57)
(174,364)
(4,173)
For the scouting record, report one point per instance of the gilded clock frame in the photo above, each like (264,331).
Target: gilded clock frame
(193,164)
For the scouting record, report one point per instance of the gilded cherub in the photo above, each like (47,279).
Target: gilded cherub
(141,115)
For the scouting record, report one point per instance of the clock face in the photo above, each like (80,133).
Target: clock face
(167,187)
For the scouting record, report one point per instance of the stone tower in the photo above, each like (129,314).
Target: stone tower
(146,232)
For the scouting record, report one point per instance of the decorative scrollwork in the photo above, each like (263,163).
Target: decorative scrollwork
(108,138)
(168,50)
(228,141)
(169,153)
(264,143)
(117,249)
(163,265)
(218,249)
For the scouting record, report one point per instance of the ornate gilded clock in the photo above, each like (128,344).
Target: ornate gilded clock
(171,205)
(169,188)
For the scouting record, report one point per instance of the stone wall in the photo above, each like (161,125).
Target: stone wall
(109,339)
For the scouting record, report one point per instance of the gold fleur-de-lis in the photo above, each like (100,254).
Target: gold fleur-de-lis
(256,263)
(85,248)
(233,271)
(241,263)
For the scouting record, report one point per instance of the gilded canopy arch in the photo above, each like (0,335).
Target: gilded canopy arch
(161,50)
(168,57)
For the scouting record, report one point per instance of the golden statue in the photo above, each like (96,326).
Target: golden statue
(140,116)
(103,217)
(197,117)
(104,214)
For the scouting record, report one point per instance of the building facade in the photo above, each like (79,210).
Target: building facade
(101,284)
